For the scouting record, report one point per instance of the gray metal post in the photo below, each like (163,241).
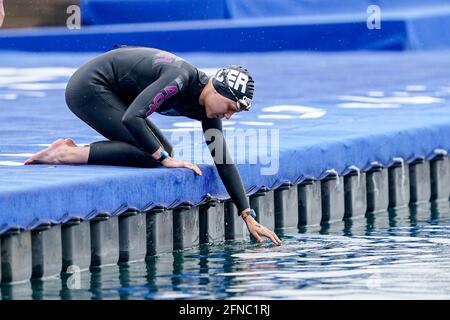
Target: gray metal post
(286,206)
(185,226)
(309,202)
(104,240)
(263,203)
(235,227)
(420,180)
(159,231)
(399,188)
(355,194)
(377,189)
(76,244)
(333,198)
(212,222)
(132,236)
(46,250)
(16,256)
(440,180)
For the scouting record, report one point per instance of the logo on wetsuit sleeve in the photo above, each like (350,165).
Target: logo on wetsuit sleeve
(158,100)
(166,58)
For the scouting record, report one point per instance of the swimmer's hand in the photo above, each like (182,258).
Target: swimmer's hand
(258,230)
(170,162)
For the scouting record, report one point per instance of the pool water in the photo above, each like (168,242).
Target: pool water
(397,254)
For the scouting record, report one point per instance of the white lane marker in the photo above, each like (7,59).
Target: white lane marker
(256,123)
(275,116)
(38,86)
(303,112)
(394,100)
(16,154)
(10,163)
(8,96)
(415,87)
(375,93)
(360,105)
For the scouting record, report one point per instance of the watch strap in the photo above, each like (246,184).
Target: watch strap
(163,155)
(250,212)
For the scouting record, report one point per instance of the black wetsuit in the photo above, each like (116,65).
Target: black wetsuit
(116,92)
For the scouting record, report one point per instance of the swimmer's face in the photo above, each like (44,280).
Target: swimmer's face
(218,106)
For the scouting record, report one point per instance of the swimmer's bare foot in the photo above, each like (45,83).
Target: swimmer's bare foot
(61,152)
(48,155)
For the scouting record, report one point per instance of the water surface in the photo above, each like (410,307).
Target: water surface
(399,254)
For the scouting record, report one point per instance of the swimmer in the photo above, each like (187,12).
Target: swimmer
(116,92)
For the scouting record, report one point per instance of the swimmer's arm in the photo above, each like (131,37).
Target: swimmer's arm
(232,180)
(168,85)
(224,163)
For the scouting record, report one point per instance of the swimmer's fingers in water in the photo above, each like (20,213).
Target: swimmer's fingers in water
(258,230)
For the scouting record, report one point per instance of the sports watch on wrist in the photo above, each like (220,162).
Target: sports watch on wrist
(163,155)
(250,212)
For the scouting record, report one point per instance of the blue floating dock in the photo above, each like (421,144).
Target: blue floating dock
(330,114)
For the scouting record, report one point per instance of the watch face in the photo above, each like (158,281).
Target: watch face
(163,155)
